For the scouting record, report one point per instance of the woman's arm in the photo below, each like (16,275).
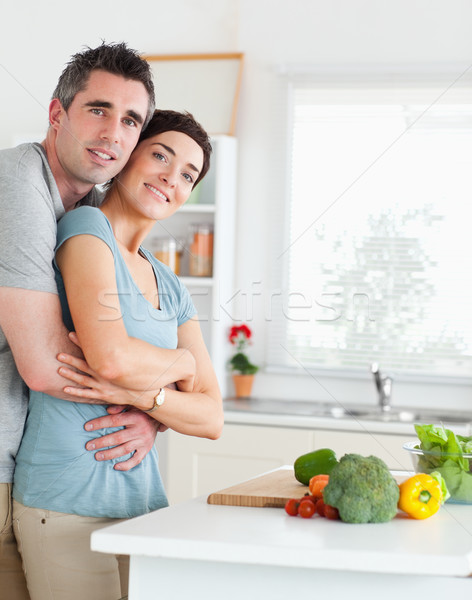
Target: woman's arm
(88,271)
(198,413)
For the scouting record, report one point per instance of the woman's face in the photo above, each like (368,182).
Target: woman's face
(160,174)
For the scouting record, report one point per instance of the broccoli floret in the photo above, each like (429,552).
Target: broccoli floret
(362,489)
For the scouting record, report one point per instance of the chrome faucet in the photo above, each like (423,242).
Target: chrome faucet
(384,387)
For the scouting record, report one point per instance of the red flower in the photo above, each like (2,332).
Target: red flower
(246,331)
(236,330)
(233,334)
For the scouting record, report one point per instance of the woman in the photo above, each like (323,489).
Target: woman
(135,323)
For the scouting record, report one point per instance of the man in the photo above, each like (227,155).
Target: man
(103,99)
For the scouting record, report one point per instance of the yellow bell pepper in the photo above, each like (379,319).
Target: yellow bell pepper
(420,496)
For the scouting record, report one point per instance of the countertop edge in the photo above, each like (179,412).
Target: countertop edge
(319,559)
(307,422)
(288,540)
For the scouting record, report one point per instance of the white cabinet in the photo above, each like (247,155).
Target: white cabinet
(195,467)
(216,206)
(388,447)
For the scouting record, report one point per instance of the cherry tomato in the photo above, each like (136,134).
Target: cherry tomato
(331,512)
(320,506)
(309,498)
(306,509)
(291,507)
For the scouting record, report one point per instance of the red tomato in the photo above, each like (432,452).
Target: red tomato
(306,509)
(291,507)
(308,498)
(330,512)
(320,507)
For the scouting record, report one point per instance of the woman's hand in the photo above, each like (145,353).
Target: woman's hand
(94,389)
(90,386)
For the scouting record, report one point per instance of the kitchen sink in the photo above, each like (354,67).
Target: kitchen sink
(403,415)
(337,411)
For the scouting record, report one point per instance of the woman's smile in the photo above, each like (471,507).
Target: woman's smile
(157,192)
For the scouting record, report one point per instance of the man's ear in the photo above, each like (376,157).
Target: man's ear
(56,111)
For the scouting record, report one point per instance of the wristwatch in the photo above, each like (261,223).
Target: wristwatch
(159,400)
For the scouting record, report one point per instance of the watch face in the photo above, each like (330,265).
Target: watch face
(160,398)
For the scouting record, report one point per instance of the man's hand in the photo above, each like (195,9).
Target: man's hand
(137,436)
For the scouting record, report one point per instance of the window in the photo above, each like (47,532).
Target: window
(377,263)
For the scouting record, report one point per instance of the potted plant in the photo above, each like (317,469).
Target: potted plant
(243,369)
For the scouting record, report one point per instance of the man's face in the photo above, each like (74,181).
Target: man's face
(96,136)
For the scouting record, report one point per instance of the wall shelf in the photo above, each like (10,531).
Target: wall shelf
(198,208)
(190,282)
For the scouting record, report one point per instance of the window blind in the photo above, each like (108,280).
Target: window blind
(377,253)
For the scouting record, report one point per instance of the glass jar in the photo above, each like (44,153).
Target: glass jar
(201,250)
(169,252)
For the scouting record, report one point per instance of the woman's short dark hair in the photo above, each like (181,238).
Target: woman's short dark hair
(184,122)
(117,59)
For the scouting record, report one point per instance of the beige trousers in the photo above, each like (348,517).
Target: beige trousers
(57,559)
(12,579)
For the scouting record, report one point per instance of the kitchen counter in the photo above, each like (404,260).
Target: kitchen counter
(198,550)
(310,415)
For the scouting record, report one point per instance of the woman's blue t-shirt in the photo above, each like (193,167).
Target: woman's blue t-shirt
(53,469)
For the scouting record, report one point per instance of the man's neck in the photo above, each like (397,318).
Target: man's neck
(70,191)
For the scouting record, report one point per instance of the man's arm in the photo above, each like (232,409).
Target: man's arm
(30,312)
(32,323)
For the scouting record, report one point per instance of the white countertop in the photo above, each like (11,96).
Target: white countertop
(195,530)
(277,413)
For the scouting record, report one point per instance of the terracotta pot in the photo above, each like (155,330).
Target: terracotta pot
(243,385)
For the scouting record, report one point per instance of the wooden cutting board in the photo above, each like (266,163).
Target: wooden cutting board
(271,489)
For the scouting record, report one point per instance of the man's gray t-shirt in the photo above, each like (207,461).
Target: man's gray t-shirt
(30,206)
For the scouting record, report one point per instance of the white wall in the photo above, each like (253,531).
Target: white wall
(38,37)
(340,34)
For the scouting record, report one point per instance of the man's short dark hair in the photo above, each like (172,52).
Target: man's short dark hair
(117,59)
(184,122)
